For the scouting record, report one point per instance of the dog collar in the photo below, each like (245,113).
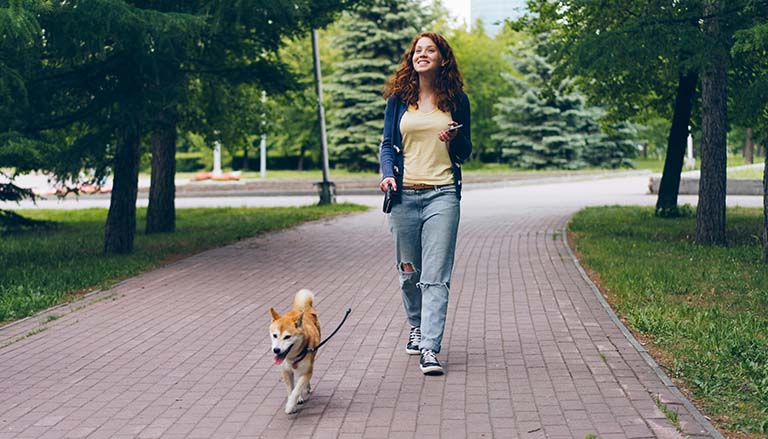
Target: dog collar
(302,354)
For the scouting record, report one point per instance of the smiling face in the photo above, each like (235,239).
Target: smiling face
(426,56)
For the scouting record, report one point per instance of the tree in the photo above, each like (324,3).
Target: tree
(710,214)
(550,125)
(622,45)
(18,31)
(483,62)
(295,129)
(371,43)
(102,70)
(750,54)
(632,56)
(613,147)
(161,212)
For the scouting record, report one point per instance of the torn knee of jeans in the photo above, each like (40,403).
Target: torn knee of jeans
(422,285)
(406,268)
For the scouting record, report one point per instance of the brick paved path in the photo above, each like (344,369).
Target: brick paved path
(183,352)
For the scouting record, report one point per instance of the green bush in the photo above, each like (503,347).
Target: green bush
(189,161)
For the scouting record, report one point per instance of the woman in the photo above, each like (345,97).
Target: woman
(426,138)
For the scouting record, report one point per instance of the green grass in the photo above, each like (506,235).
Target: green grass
(656,164)
(704,310)
(747,174)
(43,268)
(669,414)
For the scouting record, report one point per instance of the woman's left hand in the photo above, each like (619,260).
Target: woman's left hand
(447,136)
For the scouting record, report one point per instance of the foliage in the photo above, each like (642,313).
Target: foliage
(704,307)
(483,62)
(626,54)
(750,97)
(550,125)
(371,43)
(295,129)
(46,267)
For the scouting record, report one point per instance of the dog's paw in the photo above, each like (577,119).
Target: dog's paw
(290,409)
(304,397)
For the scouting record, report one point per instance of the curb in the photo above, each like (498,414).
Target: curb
(697,415)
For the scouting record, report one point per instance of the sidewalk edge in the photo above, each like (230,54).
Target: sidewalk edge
(697,415)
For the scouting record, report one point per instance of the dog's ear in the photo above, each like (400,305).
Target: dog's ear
(299,321)
(274,314)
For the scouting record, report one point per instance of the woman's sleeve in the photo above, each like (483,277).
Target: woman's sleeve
(462,143)
(386,152)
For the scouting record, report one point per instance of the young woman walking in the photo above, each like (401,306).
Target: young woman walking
(426,138)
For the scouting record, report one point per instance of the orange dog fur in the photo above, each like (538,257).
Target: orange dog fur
(292,334)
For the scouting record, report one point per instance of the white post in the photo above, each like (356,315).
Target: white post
(263,147)
(690,162)
(216,156)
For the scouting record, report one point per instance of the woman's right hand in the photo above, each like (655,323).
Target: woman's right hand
(389,181)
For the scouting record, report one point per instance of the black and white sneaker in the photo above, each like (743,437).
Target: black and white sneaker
(429,364)
(414,338)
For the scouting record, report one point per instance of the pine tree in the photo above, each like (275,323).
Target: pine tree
(372,42)
(614,147)
(544,126)
(549,124)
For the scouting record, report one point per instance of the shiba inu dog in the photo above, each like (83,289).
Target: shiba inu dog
(293,335)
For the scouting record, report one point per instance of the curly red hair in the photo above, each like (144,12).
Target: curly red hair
(404,83)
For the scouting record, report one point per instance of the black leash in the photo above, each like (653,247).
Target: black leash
(349,310)
(306,350)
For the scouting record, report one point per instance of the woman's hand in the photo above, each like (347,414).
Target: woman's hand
(447,136)
(389,181)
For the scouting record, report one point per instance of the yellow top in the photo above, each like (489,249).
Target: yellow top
(425,157)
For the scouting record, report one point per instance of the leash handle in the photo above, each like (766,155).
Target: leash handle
(349,310)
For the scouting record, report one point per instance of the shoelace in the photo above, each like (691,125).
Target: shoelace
(429,356)
(415,336)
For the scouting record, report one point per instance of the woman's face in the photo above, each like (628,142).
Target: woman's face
(426,56)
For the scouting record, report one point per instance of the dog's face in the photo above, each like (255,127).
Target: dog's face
(285,333)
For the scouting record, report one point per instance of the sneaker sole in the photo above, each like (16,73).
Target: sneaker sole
(432,370)
(412,351)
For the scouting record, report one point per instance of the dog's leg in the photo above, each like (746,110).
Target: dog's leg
(305,394)
(288,378)
(296,394)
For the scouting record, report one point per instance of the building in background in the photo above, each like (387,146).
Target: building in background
(493,13)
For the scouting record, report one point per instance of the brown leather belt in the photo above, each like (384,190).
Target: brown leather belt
(422,186)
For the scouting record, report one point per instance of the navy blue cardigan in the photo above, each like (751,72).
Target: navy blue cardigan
(391,151)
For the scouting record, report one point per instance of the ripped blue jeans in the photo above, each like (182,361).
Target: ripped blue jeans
(424,225)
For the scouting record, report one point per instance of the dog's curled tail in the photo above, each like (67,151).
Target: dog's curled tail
(303,300)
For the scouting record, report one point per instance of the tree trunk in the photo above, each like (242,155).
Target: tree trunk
(710,215)
(161,212)
(765,210)
(749,147)
(121,219)
(244,167)
(669,188)
(302,150)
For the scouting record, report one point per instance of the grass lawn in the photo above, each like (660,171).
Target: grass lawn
(702,310)
(656,164)
(48,267)
(747,174)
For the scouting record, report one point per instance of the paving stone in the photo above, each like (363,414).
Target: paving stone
(182,351)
